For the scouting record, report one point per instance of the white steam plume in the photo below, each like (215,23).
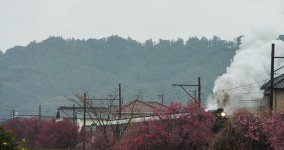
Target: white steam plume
(240,85)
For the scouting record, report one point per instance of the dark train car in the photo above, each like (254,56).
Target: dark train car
(220,119)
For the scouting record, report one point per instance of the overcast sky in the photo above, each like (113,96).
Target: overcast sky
(23,21)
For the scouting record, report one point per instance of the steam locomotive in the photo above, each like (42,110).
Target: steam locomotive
(220,120)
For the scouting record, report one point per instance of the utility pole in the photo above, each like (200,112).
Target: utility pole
(195,94)
(84,121)
(74,114)
(39,112)
(162,97)
(100,99)
(199,89)
(199,92)
(13,113)
(271,78)
(119,94)
(272,71)
(85,99)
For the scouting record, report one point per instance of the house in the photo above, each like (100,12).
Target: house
(281,37)
(99,115)
(278,93)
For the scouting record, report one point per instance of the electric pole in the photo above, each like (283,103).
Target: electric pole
(39,112)
(84,119)
(272,71)
(74,114)
(99,99)
(199,89)
(161,96)
(119,94)
(271,78)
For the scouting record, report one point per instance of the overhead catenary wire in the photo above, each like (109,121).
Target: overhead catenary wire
(250,85)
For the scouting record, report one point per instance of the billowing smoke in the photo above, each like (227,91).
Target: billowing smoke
(248,71)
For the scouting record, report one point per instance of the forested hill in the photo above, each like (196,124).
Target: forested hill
(42,73)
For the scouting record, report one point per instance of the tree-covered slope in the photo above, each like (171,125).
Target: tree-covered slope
(43,73)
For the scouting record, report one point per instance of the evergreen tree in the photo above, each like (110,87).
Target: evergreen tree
(7,141)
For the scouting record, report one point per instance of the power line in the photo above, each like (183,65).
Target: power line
(251,93)
(244,86)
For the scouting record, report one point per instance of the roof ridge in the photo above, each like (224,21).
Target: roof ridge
(128,103)
(276,81)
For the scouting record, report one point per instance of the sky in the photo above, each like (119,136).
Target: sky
(23,21)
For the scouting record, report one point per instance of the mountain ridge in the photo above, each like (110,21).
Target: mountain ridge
(40,73)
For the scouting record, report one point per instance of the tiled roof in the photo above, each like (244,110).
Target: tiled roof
(278,83)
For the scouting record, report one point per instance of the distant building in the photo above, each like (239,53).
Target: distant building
(95,115)
(278,93)
(281,37)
